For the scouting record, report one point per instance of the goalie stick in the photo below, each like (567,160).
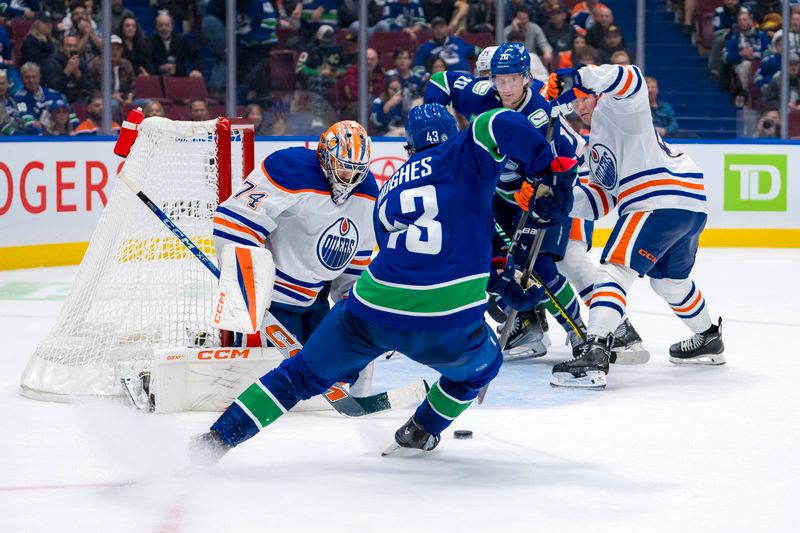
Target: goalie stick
(284,341)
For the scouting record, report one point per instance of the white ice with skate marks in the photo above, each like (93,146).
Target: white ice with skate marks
(664,448)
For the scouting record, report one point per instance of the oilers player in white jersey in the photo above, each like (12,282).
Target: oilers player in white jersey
(511,86)
(313,210)
(424,294)
(661,201)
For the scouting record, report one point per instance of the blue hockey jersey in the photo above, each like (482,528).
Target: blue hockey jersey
(434,226)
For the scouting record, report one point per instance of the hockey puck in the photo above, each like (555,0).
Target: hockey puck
(462,434)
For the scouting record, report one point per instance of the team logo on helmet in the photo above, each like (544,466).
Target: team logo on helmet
(603,165)
(338,243)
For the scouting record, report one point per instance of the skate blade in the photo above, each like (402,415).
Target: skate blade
(714,359)
(635,354)
(395,450)
(593,380)
(134,388)
(524,352)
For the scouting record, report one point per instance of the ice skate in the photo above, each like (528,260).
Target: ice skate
(575,342)
(627,348)
(589,369)
(206,449)
(527,337)
(700,349)
(411,439)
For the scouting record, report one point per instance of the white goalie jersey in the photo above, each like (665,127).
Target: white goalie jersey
(285,205)
(631,167)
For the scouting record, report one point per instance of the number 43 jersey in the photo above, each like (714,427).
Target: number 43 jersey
(433,222)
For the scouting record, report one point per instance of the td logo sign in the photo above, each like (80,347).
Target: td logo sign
(755,182)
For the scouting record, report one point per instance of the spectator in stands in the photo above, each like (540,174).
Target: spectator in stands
(772,94)
(153,108)
(403,15)
(316,13)
(170,53)
(747,45)
(723,23)
(67,72)
(348,16)
(80,25)
(411,81)
(198,110)
(558,32)
(512,6)
(280,126)
(771,64)
(91,126)
(39,44)
(689,8)
(534,38)
(374,77)
(435,64)
(387,110)
(322,63)
(793,41)
(769,125)
(134,45)
(663,115)
(621,57)
(61,120)
(10,121)
(123,79)
(603,18)
(481,15)
(33,100)
(585,56)
(565,58)
(761,9)
(453,50)
(254,113)
(118,12)
(583,15)
(538,70)
(612,41)
(7,65)
(453,11)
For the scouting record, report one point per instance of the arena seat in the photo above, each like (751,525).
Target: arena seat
(481,39)
(282,69)
(184,88)
(148,87)
(385,41)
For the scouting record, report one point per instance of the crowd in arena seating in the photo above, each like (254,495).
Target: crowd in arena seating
(745,42)
(296,60)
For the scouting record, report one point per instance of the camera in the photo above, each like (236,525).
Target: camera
(767,124)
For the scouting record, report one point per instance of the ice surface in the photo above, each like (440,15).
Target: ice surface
(664,448)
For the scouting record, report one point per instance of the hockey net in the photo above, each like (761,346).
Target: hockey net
(138,289)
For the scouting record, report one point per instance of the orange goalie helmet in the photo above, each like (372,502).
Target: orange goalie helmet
(344,152)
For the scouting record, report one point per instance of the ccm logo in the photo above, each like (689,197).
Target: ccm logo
(647,255)
(223,353)
(219,308)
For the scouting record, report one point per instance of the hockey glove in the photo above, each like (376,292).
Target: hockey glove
(570,87)
(505,285)
(550,197)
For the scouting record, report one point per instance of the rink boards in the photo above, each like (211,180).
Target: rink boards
(52,193)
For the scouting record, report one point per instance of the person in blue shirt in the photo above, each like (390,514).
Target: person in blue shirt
(453,50)
(387,109)
(744,46)
(35,101)
(771,64)
(424,293)
(663,115)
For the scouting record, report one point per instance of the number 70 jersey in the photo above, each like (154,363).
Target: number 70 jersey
(433,223)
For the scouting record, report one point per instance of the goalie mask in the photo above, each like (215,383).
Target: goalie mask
(344,152)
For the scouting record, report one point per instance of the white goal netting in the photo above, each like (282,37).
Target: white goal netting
(138,288)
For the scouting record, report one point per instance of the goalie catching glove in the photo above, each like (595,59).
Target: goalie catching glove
(549,198)
(503,282)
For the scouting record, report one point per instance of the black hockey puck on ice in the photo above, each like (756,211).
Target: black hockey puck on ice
(462,434)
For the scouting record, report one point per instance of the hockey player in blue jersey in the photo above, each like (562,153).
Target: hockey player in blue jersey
(510,86)
(424,294)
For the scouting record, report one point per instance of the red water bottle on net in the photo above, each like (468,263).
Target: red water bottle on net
(128,132)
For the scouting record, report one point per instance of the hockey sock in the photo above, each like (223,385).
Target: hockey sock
(446,400)
(609,299)
(579,269)
(562,290)
(686,301)
(266,400)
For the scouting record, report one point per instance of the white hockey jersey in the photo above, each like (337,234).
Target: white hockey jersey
(631,166)
(285,205)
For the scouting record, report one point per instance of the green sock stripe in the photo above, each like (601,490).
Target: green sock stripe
(445,405)
(564,297)
(259,402)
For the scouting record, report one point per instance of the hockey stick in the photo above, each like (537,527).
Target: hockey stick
(534,252)
(578,331)
(284,341)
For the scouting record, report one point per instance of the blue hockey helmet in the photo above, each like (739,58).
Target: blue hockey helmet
(510,58)
(428,124)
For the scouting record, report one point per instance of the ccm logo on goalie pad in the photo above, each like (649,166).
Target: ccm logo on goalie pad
(223,353)
(219,308)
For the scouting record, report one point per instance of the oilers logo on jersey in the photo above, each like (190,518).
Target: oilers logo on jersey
(603,165)
(337,245)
